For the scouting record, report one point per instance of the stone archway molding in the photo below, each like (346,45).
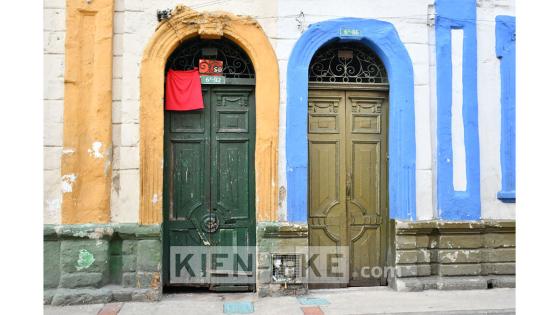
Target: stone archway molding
(382,38)
(246,32)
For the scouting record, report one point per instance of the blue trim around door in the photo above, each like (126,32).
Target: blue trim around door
(505,51)
(452,204)
(382,38)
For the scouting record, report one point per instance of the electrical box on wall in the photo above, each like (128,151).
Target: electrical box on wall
(287,268)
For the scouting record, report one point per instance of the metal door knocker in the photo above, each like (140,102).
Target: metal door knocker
(210,223)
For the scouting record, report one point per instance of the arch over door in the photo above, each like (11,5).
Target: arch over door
(245,32)
(383,39)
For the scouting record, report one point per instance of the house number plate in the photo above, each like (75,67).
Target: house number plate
(207,79)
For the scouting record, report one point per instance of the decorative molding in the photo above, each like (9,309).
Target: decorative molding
(452,204)
(208,25)
(505,51)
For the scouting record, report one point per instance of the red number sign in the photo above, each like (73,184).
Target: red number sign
(210,67)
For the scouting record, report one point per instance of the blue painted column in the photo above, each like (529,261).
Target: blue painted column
(452,204)
(384,40)
(505,51)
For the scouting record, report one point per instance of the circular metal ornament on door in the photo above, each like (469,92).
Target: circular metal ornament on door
(210,223)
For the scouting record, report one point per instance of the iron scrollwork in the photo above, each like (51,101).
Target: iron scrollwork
(347,63)
(236,63)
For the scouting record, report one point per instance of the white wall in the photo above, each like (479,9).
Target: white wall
(53,106)
(489,109)
(135,22)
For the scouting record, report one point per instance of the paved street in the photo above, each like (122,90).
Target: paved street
(380,300)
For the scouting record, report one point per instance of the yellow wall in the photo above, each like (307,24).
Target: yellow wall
(248,34)
(86,160)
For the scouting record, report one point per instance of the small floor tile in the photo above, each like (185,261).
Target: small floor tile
(312,301)
(312,310)
(110,309)
(239,307)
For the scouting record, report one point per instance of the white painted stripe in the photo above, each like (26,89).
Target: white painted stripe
(457,127)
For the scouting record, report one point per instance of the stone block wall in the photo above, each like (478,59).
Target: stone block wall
(101,263)
(452,255)
(54,35)
(278,238)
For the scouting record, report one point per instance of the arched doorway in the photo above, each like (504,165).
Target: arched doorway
(348,102)
(183,25)
(247,34)
(209,165)
(382,38)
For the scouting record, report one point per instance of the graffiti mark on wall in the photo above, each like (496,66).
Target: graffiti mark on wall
(85,259)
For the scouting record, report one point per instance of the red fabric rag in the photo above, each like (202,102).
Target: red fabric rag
(183,90)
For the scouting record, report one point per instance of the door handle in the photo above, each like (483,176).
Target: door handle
(348,185)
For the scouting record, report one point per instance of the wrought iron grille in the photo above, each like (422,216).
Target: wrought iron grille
(286,268)
(236,63)
(347,63)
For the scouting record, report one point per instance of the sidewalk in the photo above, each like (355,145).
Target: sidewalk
(373,300)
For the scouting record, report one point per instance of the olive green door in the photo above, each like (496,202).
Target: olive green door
(209,184)
(347,138)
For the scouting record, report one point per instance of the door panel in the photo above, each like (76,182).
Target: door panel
(233,161)
(347,135)
(232,184)
(188,179)
(327,210)
(209,171)
(366,113)
(324,171)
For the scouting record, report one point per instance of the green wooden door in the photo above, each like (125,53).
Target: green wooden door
(209,182)
(347,137)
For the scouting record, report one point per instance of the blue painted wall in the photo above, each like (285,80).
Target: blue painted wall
(382,38)
(457,205)
(505,50)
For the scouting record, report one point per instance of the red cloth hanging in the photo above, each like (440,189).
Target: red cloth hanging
(183,90)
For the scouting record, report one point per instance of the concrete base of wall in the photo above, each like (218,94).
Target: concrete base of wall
(100,263)
(451,283)
(278,238)
(106,294)
(450,255)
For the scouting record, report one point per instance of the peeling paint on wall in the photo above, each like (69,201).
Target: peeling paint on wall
(281,195)
(53,205)
(94,151)
(68,151)
(67,182)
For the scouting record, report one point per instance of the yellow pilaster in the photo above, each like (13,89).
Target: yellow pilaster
(86,159)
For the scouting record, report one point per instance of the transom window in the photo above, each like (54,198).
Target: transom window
(351,62)
(236,62)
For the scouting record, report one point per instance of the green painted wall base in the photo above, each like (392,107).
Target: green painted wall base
(278,238)
(99,263)
(122,262)
(451,255)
